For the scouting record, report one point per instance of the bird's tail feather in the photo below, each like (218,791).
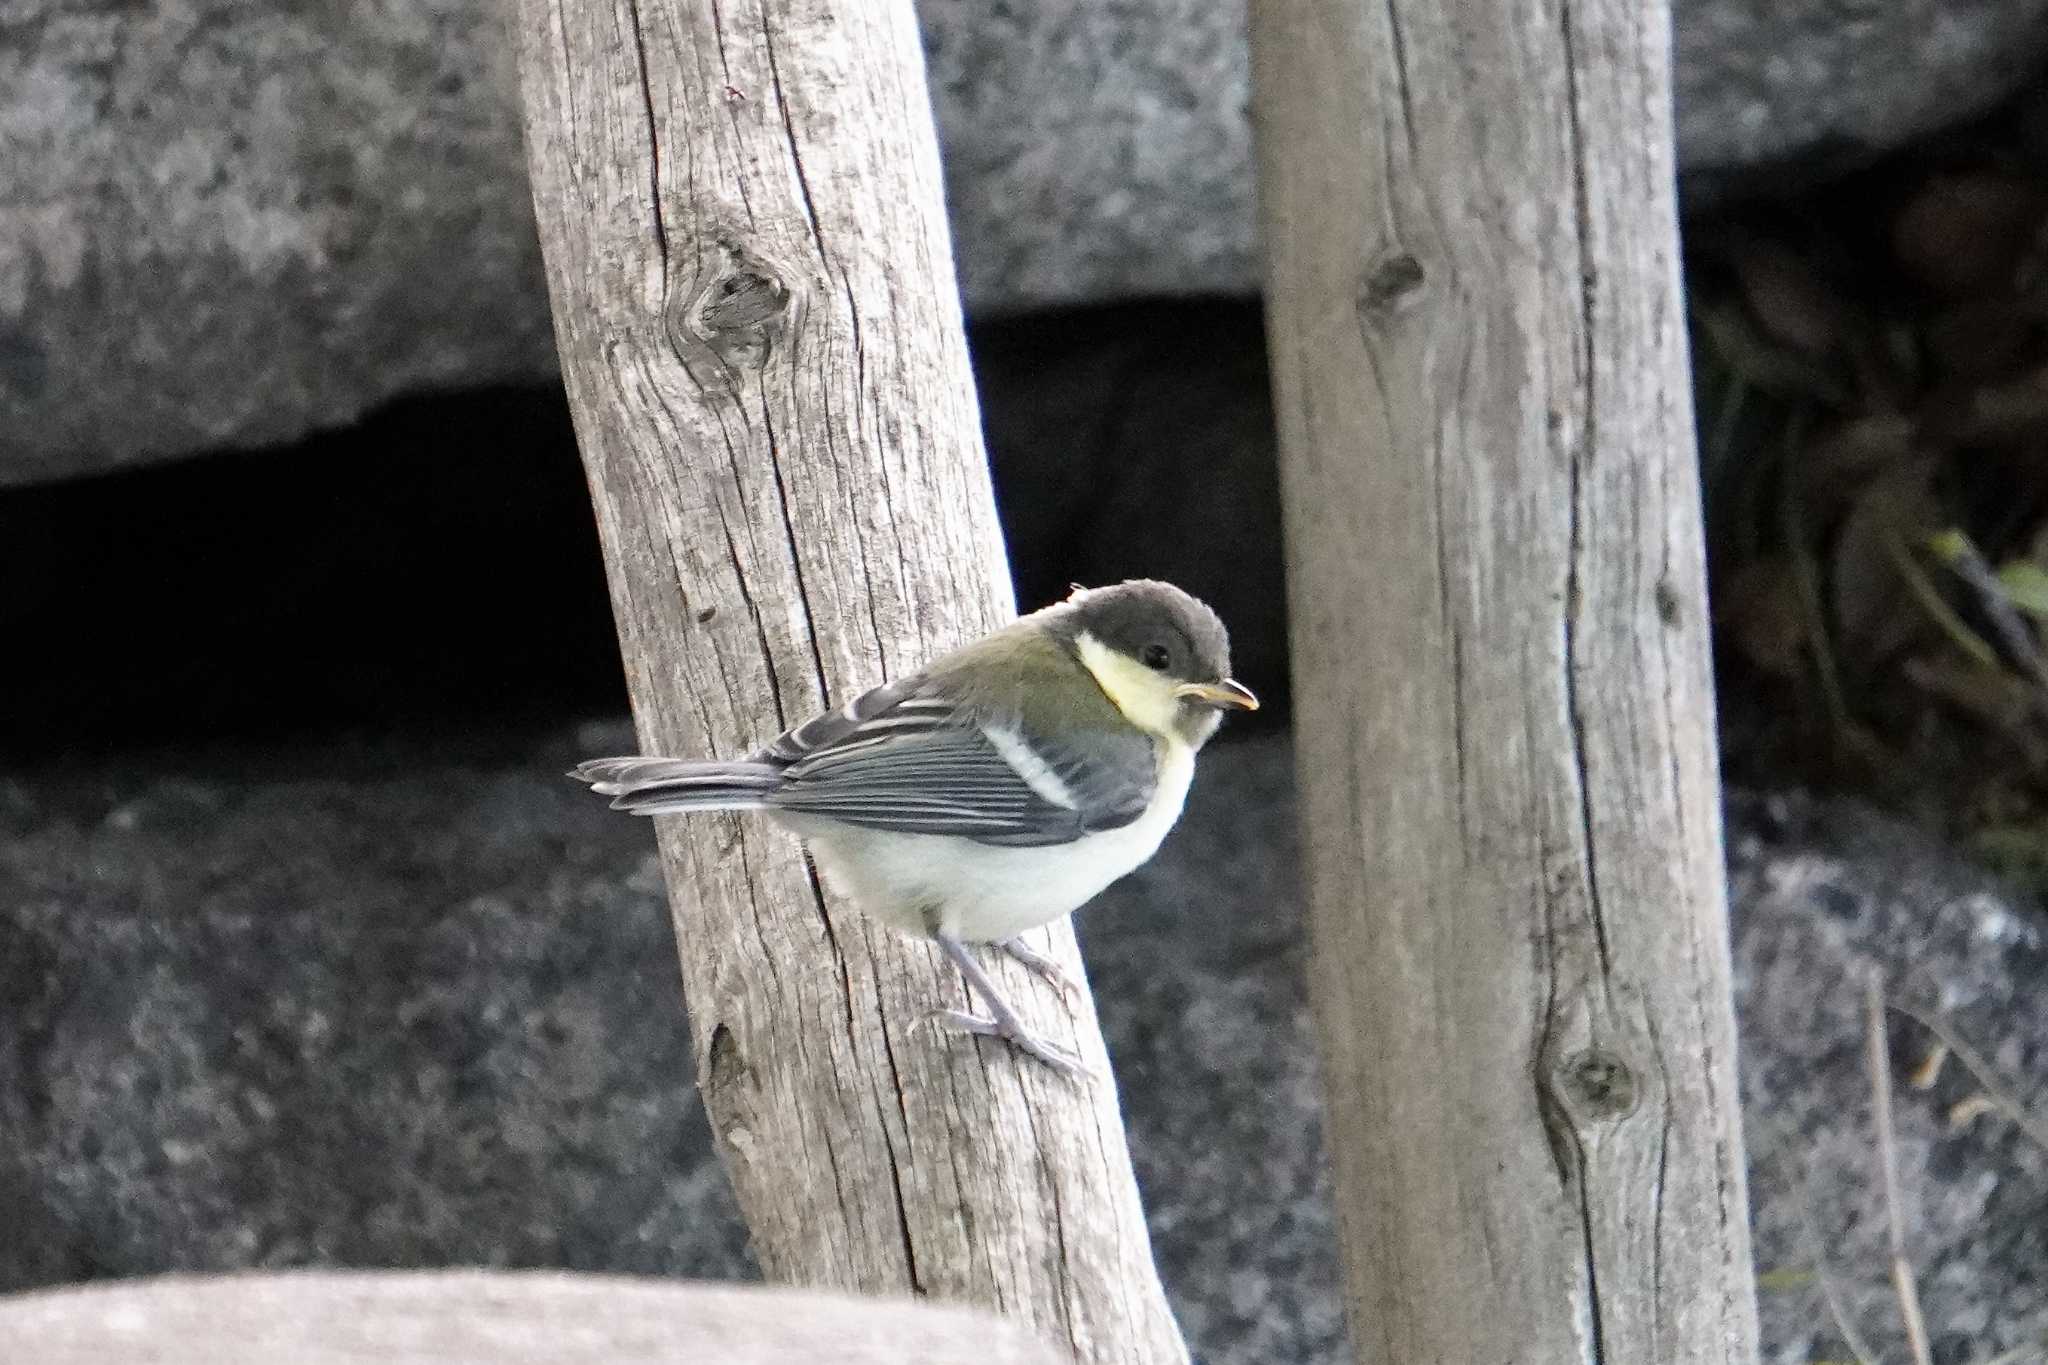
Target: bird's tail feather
(654,786)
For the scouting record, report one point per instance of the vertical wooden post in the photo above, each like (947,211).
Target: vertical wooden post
(1511,802)
(754,300)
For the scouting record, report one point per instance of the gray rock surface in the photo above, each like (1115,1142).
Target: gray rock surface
(405,1007)
(224,225)
(415,1005)
(1828,892)
(1762,82)
(337,1009)
(228,225)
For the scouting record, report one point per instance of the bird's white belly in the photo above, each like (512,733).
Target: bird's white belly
(985,892)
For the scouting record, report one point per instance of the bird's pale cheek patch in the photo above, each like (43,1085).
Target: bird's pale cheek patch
(1145,698)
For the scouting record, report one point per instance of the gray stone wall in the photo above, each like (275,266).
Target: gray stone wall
(225,224)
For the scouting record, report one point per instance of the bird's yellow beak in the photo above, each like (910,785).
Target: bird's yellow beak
(1228,695)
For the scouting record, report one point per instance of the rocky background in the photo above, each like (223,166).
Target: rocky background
(406,1003)
(309,957)
(225,224)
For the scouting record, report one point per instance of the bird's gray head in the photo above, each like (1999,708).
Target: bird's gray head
(1161,655)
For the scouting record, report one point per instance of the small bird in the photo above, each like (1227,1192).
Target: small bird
(999,788)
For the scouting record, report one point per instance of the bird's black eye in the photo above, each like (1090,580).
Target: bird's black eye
(1155,656)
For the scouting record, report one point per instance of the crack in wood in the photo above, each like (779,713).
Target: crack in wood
(731,107)
(1658,1183)
(796,154)
(1596,1345)
(794,545)
(732,551)
(1406,98)
(1577,451)
(902,1204)
(1448,607)
(653,134)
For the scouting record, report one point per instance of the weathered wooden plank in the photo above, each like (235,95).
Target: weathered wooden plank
(1511,802)
(752,282)
(475,1317)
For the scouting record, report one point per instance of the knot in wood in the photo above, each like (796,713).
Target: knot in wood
(1390,287)
(1669,609)
(737,311)
(1597,1084)
(741,301)
(724,1067)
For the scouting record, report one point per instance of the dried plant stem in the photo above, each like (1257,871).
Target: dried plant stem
(2034,1126)
(1830,1291)
(1964,560)
(1888,1160)
(1734,482)
(1937,608)
(1806,576)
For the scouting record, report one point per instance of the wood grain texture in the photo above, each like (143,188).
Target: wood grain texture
(473,1317)
(1512,816)
(753,290)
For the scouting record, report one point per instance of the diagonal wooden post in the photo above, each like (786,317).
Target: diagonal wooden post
(1511,808)
(754,300)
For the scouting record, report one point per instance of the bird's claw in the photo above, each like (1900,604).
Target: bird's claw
(1030,1044)
(1044,968)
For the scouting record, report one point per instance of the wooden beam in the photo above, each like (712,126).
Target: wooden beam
(1511,804)
(482,1317)
(754,300)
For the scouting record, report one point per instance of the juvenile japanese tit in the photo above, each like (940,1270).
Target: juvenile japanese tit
(1001,787)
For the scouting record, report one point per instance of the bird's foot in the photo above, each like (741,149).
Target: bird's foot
(1049,971)
(1013,1033)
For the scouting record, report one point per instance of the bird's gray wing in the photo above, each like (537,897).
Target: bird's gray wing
(913,763)
(822,732)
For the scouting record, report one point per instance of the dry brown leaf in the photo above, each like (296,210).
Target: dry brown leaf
(1741,344)
(1788,299)
(1995,699)
(1759,609)
(1928,1070)
(1964,232)
(2016,410)
(1875,616)
(1981,339)
(1991,696)
(1886,364)
(1968,1110)
(1846,454)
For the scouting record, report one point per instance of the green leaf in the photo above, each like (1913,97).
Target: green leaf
(1950,545)
(1790,1277)
(2026,583)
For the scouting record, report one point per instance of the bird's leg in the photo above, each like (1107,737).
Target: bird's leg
(1048,970)
(1002,1022)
